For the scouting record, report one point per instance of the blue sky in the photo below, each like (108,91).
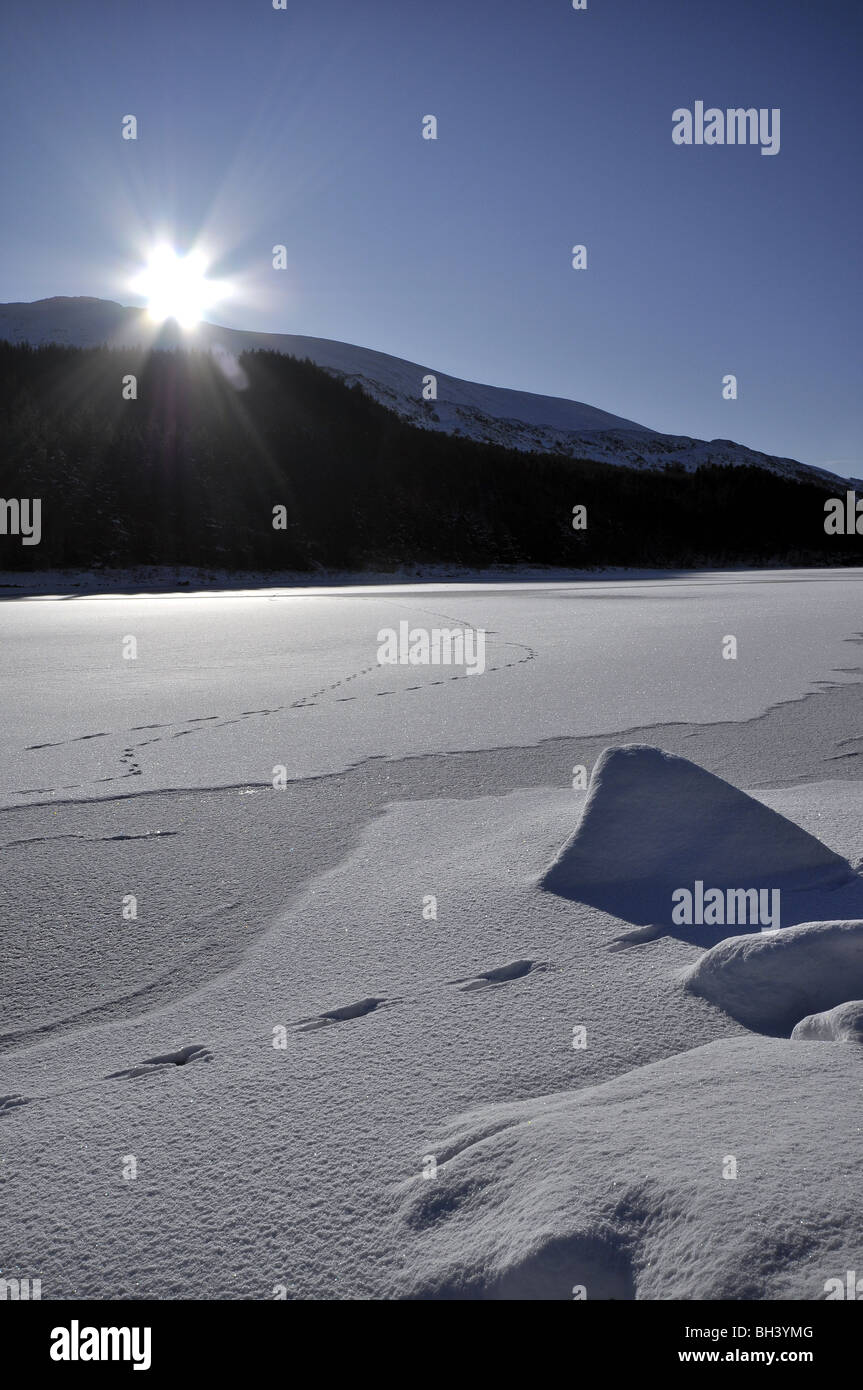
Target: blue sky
(303,127)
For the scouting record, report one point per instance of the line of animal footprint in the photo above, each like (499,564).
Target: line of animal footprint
(132,767)
(185,1056)
(485,979)
(150,1066)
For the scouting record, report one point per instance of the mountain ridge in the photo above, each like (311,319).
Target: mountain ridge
(515,419)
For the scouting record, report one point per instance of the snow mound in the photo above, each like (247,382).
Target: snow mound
(654,822)
(768,982)
(842,1024)
(669,1182)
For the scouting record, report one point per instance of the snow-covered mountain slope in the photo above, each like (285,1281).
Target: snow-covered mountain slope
(491,414)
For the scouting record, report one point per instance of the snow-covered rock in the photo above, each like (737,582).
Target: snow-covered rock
(768,982)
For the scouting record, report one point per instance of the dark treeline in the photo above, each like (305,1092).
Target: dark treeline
(190,471)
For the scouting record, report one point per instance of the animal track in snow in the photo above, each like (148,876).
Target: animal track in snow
(181,1058)
(80,738)
(128,757)
(13,1102)
(640,937)
(341,1015)
(499,975)
(487,979)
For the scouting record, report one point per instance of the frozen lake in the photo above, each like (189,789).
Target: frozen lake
(225,686)
(279,1000)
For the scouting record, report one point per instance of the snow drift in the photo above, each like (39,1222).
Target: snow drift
(671,1181)
(769,982)
(654,822)
(842,1024)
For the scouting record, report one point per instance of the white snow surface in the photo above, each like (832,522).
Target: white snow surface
(626,1190)
(282,1038)
(770,981)
(654,822)
(231,683)
(844,1023)
(492,414)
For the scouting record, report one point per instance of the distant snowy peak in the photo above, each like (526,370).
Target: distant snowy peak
(489,414)
(78,322)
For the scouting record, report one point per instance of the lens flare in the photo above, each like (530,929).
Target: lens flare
(176,287)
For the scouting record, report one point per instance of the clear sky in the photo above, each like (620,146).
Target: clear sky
(303,127)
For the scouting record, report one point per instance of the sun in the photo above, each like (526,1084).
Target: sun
(176,287)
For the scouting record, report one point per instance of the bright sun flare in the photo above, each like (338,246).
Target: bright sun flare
(176,287)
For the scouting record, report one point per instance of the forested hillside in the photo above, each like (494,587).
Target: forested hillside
(191,470)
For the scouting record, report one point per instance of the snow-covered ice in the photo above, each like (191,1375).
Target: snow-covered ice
(349,1045)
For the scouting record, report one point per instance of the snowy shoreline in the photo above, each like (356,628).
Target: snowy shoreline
(156,579)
